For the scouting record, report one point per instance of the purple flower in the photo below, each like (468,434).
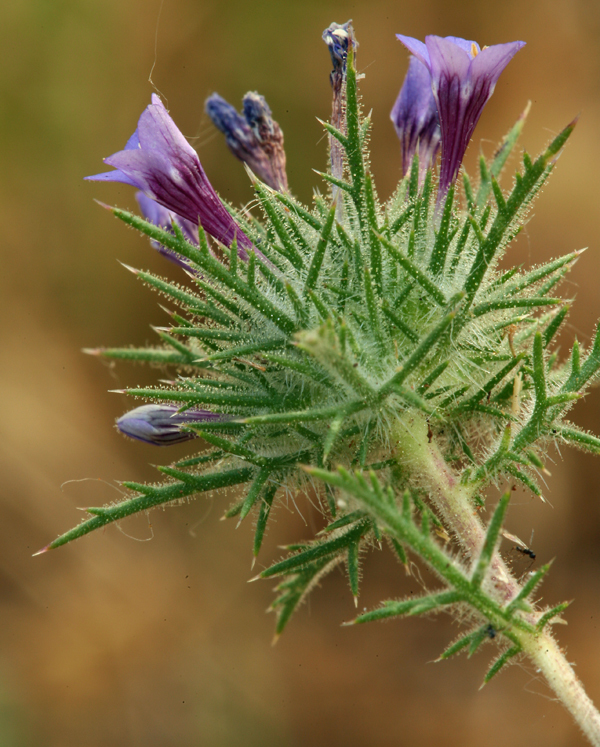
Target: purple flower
(160,162)
(416,120)
(463,78)
(160,424)
(163,218)
(255,138)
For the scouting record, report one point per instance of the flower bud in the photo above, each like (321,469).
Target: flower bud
(160,425)
(255,138)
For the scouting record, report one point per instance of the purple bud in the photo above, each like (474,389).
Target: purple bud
(255,138)
(339,38)
(270,136)
(160,425)
(463,78)
(160,162)
(416,119)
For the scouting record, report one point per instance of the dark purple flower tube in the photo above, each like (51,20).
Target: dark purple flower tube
(160,425)
(255,138)
(416,120)
(160,162)
(463,78)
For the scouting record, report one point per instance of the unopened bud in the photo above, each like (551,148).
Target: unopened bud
(255,138)
(160,425)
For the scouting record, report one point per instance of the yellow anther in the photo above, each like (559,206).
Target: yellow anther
(474,49)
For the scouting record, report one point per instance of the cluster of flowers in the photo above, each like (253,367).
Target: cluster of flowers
(448,83)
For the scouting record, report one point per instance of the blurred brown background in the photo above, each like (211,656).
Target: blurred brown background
(117,641)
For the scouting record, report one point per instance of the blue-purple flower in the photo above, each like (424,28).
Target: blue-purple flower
(163,218)
(255,138)
(416,120)
(160,425)
(463,78)
(160,162)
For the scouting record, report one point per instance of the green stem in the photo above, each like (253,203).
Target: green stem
(455,504)
(545,653)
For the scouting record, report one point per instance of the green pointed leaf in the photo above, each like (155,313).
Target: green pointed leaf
(294,590)
(153,496)
(414,271)
(412,606)
(316,551)
(500,662)
(491,540)
(440,248)
(534,580)
(266,503)
(551,614)
(353,568)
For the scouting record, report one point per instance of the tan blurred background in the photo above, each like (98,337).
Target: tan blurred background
(117,640)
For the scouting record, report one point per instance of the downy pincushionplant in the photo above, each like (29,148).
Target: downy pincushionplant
(369,353)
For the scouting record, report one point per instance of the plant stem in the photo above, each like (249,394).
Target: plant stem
(455,504)
(454,501)
(545,653)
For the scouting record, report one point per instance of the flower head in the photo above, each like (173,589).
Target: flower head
(463,77)
(160,425)
(160,162)
(255,138)
(416,120)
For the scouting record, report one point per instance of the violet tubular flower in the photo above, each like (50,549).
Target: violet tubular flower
(416,119)
(160,162)
(463,78)
(160,425)
(255,138)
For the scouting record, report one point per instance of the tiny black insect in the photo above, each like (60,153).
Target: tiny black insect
(526,551)
(490,631)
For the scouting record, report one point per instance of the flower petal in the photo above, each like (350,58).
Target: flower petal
(416,120)
(111,176)
(465,44)
(447,59)
(491,61)
(416,47)
(164,218)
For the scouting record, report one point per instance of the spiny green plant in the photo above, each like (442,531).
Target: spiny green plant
(373,354)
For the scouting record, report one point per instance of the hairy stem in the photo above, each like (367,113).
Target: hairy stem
(545,653)
(454,502)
